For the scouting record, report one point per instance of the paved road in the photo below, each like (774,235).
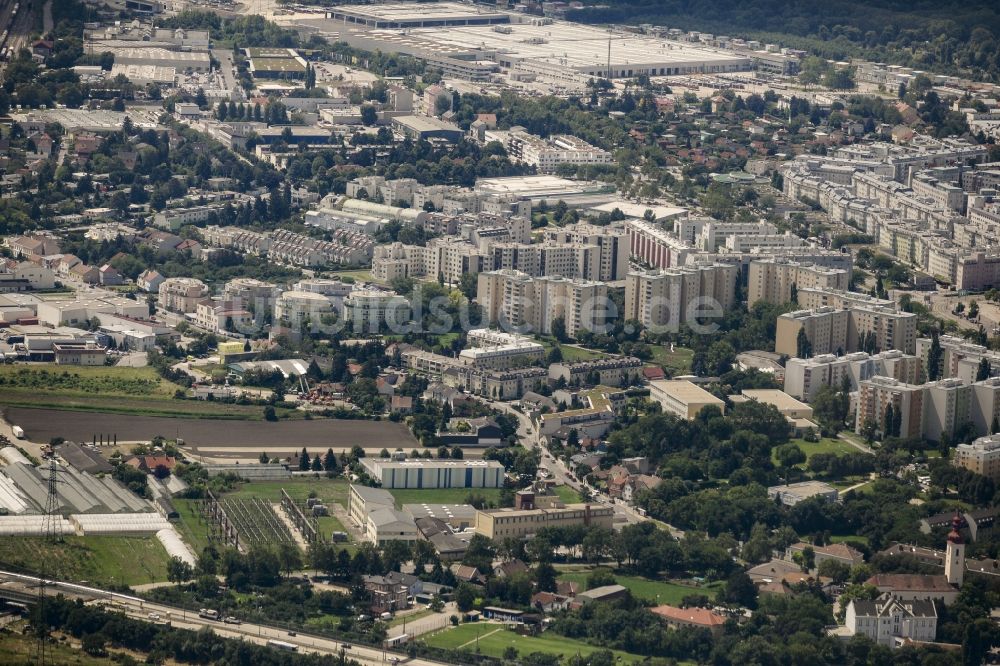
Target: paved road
(528,435)
(426,624)
(227,72)
(254,633)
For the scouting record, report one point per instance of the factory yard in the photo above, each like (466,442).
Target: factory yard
(44,424)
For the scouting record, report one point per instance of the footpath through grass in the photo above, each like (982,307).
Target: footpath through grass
(104,560)
(493,639)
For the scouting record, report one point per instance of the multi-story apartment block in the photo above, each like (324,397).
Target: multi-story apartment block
(655,246)
(219,314)
(805,377)
(292,308)
(986,405)
(673,296)
(182,294)
(960,358)
(709,234)
(173,219)
(370,310)
(977,270)
(254,295)
(825,328)
(830,330)
(772,279)
(617,371)
(571,260)
(548,154)
(612,243)
(499,350)
(441,257)
(947,407)
(811,297)
(907,400)
(532,304)
(981,457)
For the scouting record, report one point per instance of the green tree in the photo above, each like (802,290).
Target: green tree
(740,589)
(789,455)
(934,358)
(545,577)
(179,571)
(559,329)
(803,348)
(465,597)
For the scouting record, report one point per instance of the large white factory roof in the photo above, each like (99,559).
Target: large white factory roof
(410,13)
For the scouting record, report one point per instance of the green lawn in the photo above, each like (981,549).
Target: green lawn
(114,390)
(17,649)
(493,640)
(656,591)
(329,490)
(824,445)
(96,559)
(570,354)
(192,525)
(679,360)
(567,494)
(442,495)
(840,538)
(359,275)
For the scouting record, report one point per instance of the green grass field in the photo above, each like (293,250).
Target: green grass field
(679,360)
(359,275)
(840,538)
(96,559)
(442,495)
(494,639)
(656,591)
(329,490)
(113,390)
(192,526)
(17,650)
(824,445)
(567,494)
(570,354)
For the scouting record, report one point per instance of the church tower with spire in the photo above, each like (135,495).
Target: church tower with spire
(954,564)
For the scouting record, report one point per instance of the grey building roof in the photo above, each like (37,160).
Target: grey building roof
(378,495)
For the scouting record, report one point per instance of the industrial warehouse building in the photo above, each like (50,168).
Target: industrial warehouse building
(470,43)
(272,63)
(435,473)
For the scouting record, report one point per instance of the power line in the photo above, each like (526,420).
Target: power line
(52,530)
